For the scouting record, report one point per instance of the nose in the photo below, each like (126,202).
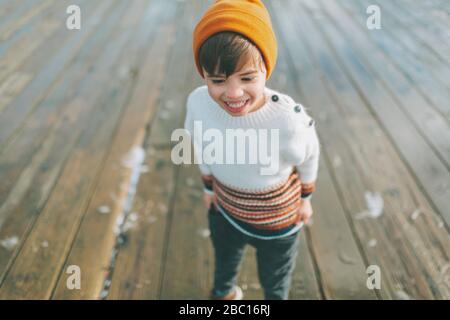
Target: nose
(234,92)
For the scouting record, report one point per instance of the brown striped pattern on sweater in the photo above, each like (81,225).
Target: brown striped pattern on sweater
(270,210)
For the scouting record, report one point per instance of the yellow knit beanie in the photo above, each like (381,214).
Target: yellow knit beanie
(249,18)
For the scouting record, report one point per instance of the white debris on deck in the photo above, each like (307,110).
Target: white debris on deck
(372,243)
(401,295)
(130,222)
(374,204)
(126,220)
(104,209)
(204,233)
(9,243)
(415,214)
(337,162)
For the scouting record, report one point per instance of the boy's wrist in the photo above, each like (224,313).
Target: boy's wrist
(207,184)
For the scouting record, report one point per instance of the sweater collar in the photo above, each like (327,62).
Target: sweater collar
(269,111)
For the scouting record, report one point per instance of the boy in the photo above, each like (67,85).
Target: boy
(235,51)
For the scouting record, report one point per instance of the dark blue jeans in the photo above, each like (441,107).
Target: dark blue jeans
(275,258)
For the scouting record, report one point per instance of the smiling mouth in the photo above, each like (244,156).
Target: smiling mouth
(236,106)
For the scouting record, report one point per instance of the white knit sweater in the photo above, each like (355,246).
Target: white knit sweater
(299,146)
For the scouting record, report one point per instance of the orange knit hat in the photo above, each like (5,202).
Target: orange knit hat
(249,18)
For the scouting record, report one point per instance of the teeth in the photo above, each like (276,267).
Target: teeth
(236,105)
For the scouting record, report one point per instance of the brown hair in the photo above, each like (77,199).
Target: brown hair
(221,53)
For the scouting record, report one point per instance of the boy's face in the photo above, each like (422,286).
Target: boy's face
(242,92)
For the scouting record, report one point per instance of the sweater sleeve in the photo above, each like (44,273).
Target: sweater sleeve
(306,147)
(308,169)
(189,127)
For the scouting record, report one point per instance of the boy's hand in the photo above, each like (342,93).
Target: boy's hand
(207,199)
(305,211)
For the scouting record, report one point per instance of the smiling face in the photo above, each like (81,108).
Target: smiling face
(241,92)
(234,72)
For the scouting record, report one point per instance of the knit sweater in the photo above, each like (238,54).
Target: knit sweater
(260,198)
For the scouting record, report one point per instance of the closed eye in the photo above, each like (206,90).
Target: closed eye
(247,79)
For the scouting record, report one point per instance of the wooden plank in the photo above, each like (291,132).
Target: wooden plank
(32,164)
(425,28)
(15,113)
(426,119)
(394,251)
(416,109)
(415,106)
(435,92)
(60,219)
(152,246)
(15,12)
(402,29)
(170,116)
(6,7)
(340,263)
(23,19)
(187,262)
(430,240)
(186,238)
(137,269)
(5,45)
(32,50)
(333,255)
(306,284)
(12,86)
(12,80)
(17,49)
(60,138)
(430,171)
(16,155)
(437,9)
(114,179)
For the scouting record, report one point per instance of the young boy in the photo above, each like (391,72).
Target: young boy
(235,51)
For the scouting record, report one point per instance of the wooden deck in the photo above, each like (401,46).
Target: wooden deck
(79,108)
